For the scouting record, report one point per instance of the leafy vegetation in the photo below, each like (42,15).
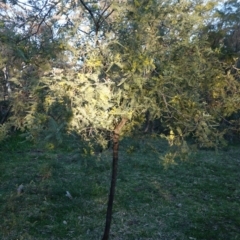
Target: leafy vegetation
(82,67)
(92,72)
(197,199)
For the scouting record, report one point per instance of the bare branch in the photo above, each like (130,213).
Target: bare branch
(41,22)
(91,14)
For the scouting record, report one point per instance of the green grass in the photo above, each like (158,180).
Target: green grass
(197,199)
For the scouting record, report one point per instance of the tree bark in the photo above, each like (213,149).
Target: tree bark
(5,116)
(116,133)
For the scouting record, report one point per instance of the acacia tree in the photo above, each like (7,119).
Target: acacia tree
(123,59)
(28,46)
(224,38)
(135,57)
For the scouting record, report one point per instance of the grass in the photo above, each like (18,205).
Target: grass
(197,199)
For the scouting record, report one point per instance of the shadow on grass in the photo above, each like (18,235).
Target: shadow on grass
(198,199)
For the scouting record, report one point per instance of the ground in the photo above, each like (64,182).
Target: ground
(195,199)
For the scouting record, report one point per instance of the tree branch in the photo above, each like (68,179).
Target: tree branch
(117,130)
(40,24)
(91,14)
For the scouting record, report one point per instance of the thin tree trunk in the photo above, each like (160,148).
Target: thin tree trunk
(5,116)
(116,133)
